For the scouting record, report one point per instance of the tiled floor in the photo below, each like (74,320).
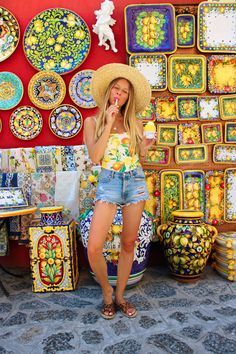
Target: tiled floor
(173,317)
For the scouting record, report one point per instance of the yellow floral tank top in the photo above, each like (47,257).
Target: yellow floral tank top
(117,156)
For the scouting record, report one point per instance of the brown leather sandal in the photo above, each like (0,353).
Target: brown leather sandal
(125,308)
(108,311)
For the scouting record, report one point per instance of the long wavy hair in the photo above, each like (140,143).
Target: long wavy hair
(128,112)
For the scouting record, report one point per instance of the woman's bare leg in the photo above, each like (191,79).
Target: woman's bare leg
(131,221)
(103,217)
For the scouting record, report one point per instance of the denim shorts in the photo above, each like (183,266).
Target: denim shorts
(122,188)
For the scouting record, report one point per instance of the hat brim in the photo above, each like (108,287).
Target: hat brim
(103,76)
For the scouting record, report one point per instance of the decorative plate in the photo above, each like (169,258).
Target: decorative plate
(149,112)
(191,153)
(212,133)
(187,73)
(26,123)
(187,107)
(0,125)
(167,134)
(158,155)
(228,107)
(214,194)
(208,108)
(79,89)
(193,188)
(9,33)
(152,205)
(153,67)
(11,90)
(216,27)
(224,153)
(185,24)
(65,121)
(56,39)
(165,109)
(230,132)
(46,89)
(222,73)
(150,28)
(171,193)
(189,133)
(230,195)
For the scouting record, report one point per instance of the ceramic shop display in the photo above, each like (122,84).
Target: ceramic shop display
(46,89)
(11,90)
(53,252)
(111,248)
(187,243)
(57,39)
(9,33)
(26,123)
(79,89)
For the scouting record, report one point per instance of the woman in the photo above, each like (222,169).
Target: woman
(115,139)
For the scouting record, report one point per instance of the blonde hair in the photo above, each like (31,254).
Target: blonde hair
(127,110)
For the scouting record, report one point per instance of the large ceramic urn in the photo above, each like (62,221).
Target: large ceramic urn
(111,248)
(187,243)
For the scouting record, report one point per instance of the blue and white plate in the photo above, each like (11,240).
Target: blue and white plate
(79,89)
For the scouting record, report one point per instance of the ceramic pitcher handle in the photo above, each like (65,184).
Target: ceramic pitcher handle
(213,230)
(160,229)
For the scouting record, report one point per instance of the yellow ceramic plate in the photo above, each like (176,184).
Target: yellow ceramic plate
(191,153)
(228,106)
(167,134)
(212,133)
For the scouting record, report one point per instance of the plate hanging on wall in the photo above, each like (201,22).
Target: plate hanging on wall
(9,33)
(46,89)
(65,121)
(26,123)
(58,40)
(11,90)
(0,125)
(79,89)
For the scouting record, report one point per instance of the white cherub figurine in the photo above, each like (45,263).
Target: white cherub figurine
(102,26)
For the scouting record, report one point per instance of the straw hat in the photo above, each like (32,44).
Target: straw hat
(103,76)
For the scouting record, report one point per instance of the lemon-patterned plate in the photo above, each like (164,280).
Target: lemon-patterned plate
(193,187)
(26,123)
(56,39)
(222,73)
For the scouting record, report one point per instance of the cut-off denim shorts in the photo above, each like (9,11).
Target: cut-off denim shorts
(122,188)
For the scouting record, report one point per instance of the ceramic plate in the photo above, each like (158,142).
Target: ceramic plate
(171,193)
(214,194)
(228,107)
(165,109)
(149,112)
(11,90)
(26,122)
(193,187)
(189,133)
(152,205)
(79,89)
(153,67)
(230,132)
(65,121)
(230,195)
(150,28)
(222,73)
(191,154)
(216,27)
(167,134)
(187,107)
(9,33)
(158,155)
(187,73)
(56,39)
(208,108)
(46,89)
(185,24)
(0,125)
(224,153)
(211,133)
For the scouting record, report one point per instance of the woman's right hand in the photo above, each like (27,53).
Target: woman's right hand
(111,114)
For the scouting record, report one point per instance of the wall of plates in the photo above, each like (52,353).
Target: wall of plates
(187,51)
